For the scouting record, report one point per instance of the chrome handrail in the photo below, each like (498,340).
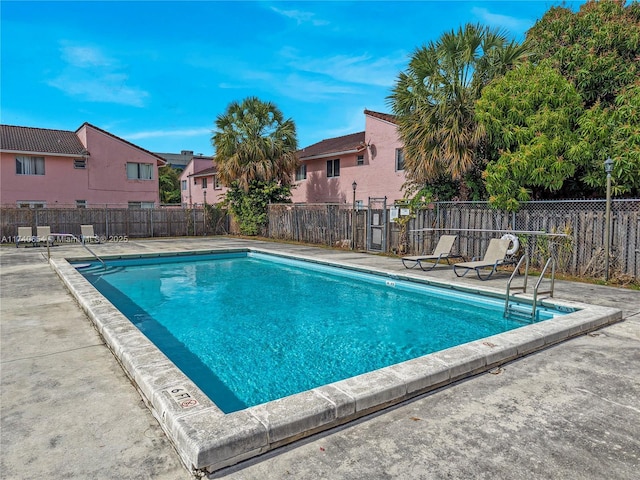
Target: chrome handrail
(71,235)
(513,274)
(550,292)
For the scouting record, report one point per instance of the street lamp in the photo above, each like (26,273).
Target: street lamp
(354,185)
(608,167)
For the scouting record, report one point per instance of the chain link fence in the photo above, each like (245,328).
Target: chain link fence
(572,231)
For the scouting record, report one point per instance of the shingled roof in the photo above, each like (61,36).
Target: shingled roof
(352,143)
(162,160)
(206,172)
(387,117)
(347,143)
(40,140)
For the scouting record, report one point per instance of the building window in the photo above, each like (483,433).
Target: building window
(31,204)
(216,183)
(399,159)
(141,204)
(360,160)
(81,204)
(139,171)
(30,165)
(204,183)
(333,168)
(79,163)
(183,183)
(301,173)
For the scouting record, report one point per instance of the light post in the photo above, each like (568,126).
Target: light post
(354,185)
(205,196)
(608,167)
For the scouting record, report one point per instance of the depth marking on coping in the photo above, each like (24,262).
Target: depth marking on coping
(182,397)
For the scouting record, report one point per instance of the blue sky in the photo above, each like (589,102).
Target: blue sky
(158,73)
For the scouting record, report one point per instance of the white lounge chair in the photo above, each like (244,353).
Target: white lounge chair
(25,235)
(441,252)
(43,234)
(87,234)
(494,257)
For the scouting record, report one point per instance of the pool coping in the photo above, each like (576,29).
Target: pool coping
(208,439)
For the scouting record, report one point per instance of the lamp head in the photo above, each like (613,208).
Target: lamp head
(354,185)
(608,165)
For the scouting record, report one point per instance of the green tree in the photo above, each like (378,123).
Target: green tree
(250,206)
(169,185)
(596,48)
(256,157)
(434,101)
(612,132)
(559,151)
(253,141)
(530,117)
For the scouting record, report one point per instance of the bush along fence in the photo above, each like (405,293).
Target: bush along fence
(114,224)
(579,251)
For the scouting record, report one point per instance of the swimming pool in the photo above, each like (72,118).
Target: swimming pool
(207,439)
(249,328)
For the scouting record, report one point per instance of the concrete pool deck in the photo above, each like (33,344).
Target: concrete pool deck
(567,411)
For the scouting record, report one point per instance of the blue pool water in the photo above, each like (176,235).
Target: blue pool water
(249,328)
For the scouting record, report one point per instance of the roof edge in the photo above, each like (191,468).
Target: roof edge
(87,124)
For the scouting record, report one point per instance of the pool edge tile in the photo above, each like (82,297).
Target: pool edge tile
(208,440)
(290,418)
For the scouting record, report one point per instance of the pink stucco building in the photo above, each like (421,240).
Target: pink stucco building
(373,159)
(199,183)
(86,168)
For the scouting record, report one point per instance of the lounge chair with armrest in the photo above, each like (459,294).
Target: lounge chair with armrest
(25,235)
(494,257)
(43,234)
(87,234)
(441,252)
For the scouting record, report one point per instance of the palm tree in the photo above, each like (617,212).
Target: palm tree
(254,142)
(434,100)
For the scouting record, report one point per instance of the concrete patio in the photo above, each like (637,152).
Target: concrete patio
(69,411)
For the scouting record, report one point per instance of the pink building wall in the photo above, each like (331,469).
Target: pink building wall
(192,193)
(60,185)
(107,168)
(103,181)
(377,177)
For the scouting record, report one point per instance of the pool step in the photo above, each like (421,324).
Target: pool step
(519,311)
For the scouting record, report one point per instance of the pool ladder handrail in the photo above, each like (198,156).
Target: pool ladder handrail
(550,261)
(104,265)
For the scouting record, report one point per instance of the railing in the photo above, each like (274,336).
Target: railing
(550,261)
(70,235)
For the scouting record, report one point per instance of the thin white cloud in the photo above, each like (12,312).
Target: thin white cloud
(84,56)
(109,88)
(361,69)
(513,24)
(92,76)
(188,132)
(364,69)
(307,89)
(301,17)
(299,86)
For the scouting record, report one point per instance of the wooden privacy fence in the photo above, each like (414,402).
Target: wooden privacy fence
(321,224)
(580,252)
(116,223)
